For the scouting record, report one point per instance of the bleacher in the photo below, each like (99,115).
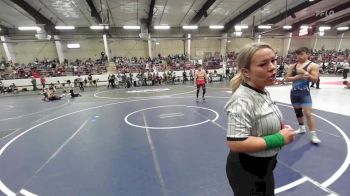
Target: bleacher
(9,70)
(330,61)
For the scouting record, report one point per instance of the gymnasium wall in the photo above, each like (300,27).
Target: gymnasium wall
(128,48)
(2,52)
(26,51)
(91,48)
(204,47)
(167,47)
(327,44)
(345,44)
(276,43)
(237,43)
(300,42)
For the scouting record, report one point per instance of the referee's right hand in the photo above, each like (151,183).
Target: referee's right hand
(288,133)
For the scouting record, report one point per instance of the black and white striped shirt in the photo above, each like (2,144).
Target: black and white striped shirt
(251,112)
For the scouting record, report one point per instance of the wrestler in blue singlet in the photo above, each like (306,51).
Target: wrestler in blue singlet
(300,92)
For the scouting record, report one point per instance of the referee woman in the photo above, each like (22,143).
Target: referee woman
(255,131)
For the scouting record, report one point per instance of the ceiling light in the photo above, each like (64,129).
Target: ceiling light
(64,27)
(32,28)
(229,41)
(99,27)
(322,28)
(73,46)
(131,27)
(162,27)
(342,28)
(321,33)
(96,27)
(239,27)
(287,27)
(264,27)
(304,26)
(216,27)
(157,43)
(189,27)
(238,33)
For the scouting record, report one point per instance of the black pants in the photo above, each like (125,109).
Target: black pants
(317,83)
(72,94)
(250,175)
(345,73)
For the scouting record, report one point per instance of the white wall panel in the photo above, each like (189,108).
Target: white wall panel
(200,47)
(301,42)
(25,52)
(236,44)
(345,44)
(276,43)
(89,48)
(2,51)
(167,47)
(128,48)
(326,43)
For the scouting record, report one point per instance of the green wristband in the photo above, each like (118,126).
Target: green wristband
(274,141)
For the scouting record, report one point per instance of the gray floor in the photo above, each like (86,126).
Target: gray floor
(158,141)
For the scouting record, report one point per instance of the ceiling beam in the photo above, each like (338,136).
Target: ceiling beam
(4,30)
(339,20)
(202,12)
(244,14)
(290,12)
(150,14)
(39,18)
(316,17)
(96,15)
(94,12)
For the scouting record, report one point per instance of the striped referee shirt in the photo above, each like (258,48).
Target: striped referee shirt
(251,112)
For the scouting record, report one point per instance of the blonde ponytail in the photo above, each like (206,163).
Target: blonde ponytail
(236,81)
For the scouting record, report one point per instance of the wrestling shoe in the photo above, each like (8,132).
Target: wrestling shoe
(314,138)
(302,129)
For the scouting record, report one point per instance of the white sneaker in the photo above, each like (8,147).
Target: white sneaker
(302,129)
(314,138)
